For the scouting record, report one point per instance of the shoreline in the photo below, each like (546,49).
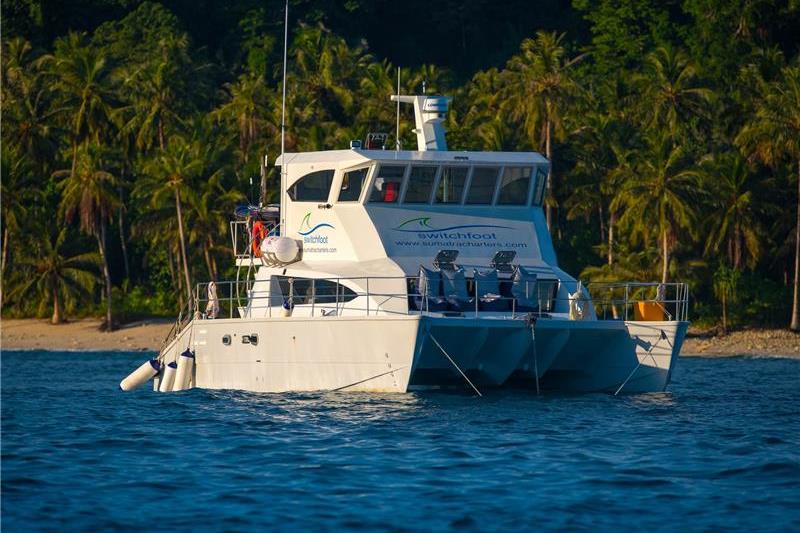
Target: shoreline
(147,335)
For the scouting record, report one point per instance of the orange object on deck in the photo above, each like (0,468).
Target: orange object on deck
(648,312)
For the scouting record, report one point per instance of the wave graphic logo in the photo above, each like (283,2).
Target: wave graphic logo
(307,224)
(423,225)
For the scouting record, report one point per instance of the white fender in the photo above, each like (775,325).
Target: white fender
(183,374)
(141,375)
(168,378)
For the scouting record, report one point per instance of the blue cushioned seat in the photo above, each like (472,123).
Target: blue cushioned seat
(487,290)
(524,289)
(430,290)
(454,288)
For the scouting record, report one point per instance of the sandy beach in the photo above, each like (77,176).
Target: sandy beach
(33,334)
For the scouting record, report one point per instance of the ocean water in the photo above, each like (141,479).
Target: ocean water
(721,449)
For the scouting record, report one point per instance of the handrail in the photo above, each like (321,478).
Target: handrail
(670,300)
(242,228)
(177,327)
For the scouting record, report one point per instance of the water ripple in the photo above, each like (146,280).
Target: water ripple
(719,450)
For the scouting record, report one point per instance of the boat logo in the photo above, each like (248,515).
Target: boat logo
(423,225)
(305,226)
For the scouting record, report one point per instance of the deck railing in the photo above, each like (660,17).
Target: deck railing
(318,297)
(242,237)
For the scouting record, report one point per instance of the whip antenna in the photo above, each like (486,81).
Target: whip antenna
(397,135)
(283,110)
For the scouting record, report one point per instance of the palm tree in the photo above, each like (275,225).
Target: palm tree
(375,85)
(27,100)
(210,205)
(169,174)
(772,136)
(155,90)
(541,84)
(91,193)
(84,81)
(603,161)
(17,192)
(671,89)
(247,100)
(485,123)
(55,278)
(725,282)
(660,199)
(734,222)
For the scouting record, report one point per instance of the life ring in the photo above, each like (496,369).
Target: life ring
(259,234)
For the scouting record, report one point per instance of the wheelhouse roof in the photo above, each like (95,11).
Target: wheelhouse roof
(356,156)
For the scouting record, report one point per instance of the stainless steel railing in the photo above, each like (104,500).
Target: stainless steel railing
(242,237)
(364,296)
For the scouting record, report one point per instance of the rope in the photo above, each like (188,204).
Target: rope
(369,379)
(454,364)
(650,353)
(532,324)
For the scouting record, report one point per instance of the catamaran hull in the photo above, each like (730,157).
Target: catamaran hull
(376,354)
(401,353)
(610,356)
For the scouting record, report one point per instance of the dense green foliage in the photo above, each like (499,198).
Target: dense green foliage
(131,130)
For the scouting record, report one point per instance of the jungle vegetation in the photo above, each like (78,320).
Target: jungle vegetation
(131,129)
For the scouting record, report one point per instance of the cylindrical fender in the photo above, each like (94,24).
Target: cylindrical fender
(183,374)
(138,377)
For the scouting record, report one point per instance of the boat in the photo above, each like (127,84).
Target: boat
(389,270)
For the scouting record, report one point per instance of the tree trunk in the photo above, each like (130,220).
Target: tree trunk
(3,260)
(601,215)
(101,243)
(213,260)
(612,220)
(183,247)
(74,159)
(665,255)
(207,257)
(161,140)
(724,313)
(795,325)
(124,246)
(548,209)
(737,247)
(56,318)
(122,235)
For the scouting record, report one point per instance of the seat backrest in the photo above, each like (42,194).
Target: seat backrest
(525,287)
(486,282)
(430,282)
(454,283)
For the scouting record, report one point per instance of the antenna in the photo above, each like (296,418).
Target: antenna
(283,113)
(397,135)
(262,190)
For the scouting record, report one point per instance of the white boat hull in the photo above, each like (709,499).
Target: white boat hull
(400,353)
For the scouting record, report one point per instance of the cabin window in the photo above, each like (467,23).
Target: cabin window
(482,186)
(386,187)
(515,186)
(420,185)
(309,291)
(314,187)
(541,181)
(352,184)
(451,185)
